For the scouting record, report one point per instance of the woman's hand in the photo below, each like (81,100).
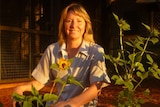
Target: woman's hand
(13,103)
(26,87)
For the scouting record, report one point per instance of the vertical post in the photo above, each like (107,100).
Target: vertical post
(0,45)
(29,42)
(31,37)
(0,57)
(55,16)
(152,18)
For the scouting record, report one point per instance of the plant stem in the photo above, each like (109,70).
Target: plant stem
(54,83)
(52,88)
(122,49)
(121,42)
(145,46)
(61,90)
(138,84)
(117,71)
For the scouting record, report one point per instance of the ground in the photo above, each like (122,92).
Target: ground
(107,97)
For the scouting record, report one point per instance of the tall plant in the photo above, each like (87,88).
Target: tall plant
(133,65)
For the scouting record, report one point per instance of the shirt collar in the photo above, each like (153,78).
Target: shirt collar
(62,50)
(84,49)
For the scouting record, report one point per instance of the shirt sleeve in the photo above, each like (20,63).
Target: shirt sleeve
(98,70)
(41,72)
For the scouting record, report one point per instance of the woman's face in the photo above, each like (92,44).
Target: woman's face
(74,26)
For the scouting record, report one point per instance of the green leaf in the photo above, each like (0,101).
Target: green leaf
(140,40)
(149,58)
(129,44)
(72,80)
(124,25)
(54,66)
(27,104)
(146,26)
(155,70)
(34,91)
(139,46)
(108,57)
(131,57)
(141,101)
(138,57)
(118,60)
(121,23)
(18,97)
(50,97)
(155,66)
(146,92)
(116,17)
(155,32)
(139,66)
(115,77)
(117,80)
(71,60)
(154,40)
(142,75)
(156,75)
(129,85)
(35,98)
(59,80)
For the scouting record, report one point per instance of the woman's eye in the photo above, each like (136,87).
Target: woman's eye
(68,20)
(79,21)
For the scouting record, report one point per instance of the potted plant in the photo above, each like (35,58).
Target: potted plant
(133,64)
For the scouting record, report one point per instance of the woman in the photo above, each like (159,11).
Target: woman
(75,41)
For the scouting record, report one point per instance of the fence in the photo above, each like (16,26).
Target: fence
(20,51)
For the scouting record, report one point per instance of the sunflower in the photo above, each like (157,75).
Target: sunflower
(63,64)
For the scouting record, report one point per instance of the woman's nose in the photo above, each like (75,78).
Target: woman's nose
(73,24)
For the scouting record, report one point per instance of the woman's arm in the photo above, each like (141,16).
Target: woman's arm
(83,98)
(27,87)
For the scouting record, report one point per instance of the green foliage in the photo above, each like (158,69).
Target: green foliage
(72,80)
(133,65)
(27,100)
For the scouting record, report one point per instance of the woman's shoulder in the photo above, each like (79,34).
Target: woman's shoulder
(94,47)
(53,45)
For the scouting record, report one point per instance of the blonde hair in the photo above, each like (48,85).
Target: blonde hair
(80,11)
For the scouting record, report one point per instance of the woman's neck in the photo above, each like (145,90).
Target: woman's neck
(73,47)
(72,44)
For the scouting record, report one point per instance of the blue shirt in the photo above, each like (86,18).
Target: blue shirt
(88,67)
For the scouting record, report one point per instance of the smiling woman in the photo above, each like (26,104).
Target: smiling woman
(75,41)
(74,26)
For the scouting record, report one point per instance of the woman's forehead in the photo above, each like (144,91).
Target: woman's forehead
(69,13)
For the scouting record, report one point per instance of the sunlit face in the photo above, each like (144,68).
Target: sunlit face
(74,26)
